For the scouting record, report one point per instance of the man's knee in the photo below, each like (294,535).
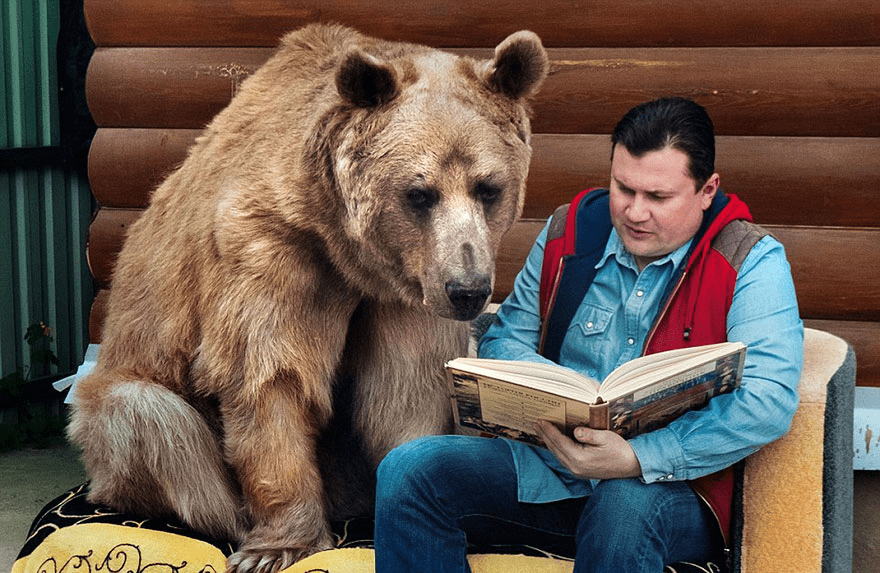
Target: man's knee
(639,501)
(412,465)
(651,509)
(400,463)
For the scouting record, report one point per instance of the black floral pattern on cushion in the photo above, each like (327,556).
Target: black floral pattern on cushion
(72,508)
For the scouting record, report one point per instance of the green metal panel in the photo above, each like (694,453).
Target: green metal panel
(30,29)
(44,217)
(44,209)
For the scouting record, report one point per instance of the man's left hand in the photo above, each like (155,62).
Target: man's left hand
(599,454)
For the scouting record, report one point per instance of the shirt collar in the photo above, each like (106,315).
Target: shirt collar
(614,248)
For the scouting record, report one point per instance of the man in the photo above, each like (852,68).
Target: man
(662,259)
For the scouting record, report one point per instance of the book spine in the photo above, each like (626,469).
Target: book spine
(453,399)
(599,416)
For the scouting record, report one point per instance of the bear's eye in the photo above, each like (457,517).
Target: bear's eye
(421,199)
(487,192)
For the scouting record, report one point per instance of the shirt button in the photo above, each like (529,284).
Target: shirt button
(640,293)
(631,341)
(589,325)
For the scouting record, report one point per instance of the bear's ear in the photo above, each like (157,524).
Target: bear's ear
(519,67)
(364,81)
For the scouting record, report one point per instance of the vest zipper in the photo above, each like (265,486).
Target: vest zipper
(651,334)
(663,312)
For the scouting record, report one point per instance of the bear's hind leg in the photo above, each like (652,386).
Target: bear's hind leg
(147,451)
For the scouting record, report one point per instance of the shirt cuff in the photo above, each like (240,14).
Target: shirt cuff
(660,456)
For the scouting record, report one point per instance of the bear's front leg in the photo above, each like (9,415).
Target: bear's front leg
(401,390)
(270,440)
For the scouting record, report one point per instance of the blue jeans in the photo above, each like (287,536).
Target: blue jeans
(438,493)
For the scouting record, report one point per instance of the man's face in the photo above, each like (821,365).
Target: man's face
(655,206)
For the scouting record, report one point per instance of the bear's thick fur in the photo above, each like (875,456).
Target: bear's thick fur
(321,245)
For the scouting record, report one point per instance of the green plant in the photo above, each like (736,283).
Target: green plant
(39,337)
(30,409)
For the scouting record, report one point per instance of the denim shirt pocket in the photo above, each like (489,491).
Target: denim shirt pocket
(588,347)
(592,320)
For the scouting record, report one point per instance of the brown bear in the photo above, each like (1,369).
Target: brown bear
(318,252)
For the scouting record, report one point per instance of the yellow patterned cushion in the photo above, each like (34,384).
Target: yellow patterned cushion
(73,536)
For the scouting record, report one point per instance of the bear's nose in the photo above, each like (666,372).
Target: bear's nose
(468,299)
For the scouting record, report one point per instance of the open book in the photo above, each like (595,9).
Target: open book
(505,397)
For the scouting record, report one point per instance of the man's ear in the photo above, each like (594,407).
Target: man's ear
(710,188)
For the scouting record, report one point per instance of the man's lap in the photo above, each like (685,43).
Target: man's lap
(474,481)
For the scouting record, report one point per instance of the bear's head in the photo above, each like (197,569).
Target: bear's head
(429,153)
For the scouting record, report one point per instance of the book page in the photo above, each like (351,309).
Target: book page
(549,377)
(505,409)
(629,369)
(655,367)
(519,408)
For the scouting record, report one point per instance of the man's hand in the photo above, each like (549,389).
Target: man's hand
(600,454)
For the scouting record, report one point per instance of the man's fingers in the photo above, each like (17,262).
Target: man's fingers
(586,436)
(555,440)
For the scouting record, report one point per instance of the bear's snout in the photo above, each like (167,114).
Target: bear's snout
(468,298)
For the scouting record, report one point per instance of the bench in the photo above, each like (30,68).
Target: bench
(789,86)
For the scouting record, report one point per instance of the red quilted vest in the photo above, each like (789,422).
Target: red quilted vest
(696,303)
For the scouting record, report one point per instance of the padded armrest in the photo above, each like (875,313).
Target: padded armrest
(797,492)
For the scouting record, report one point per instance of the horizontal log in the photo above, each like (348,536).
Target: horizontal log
(772,174)
(107,233)
(166,87)
(126,165)
(480,24)
(512,255)
(834,269)
(823,92)
(864,336)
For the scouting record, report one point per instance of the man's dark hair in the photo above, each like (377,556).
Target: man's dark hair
(674,122)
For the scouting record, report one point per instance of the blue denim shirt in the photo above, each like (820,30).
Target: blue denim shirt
(610,328)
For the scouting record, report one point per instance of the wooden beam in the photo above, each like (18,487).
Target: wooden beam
(485,23)
(776,176)
(824,92)
(864,336)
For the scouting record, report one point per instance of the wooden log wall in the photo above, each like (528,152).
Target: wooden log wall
(793,88)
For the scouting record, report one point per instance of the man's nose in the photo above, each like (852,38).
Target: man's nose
(638,210)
